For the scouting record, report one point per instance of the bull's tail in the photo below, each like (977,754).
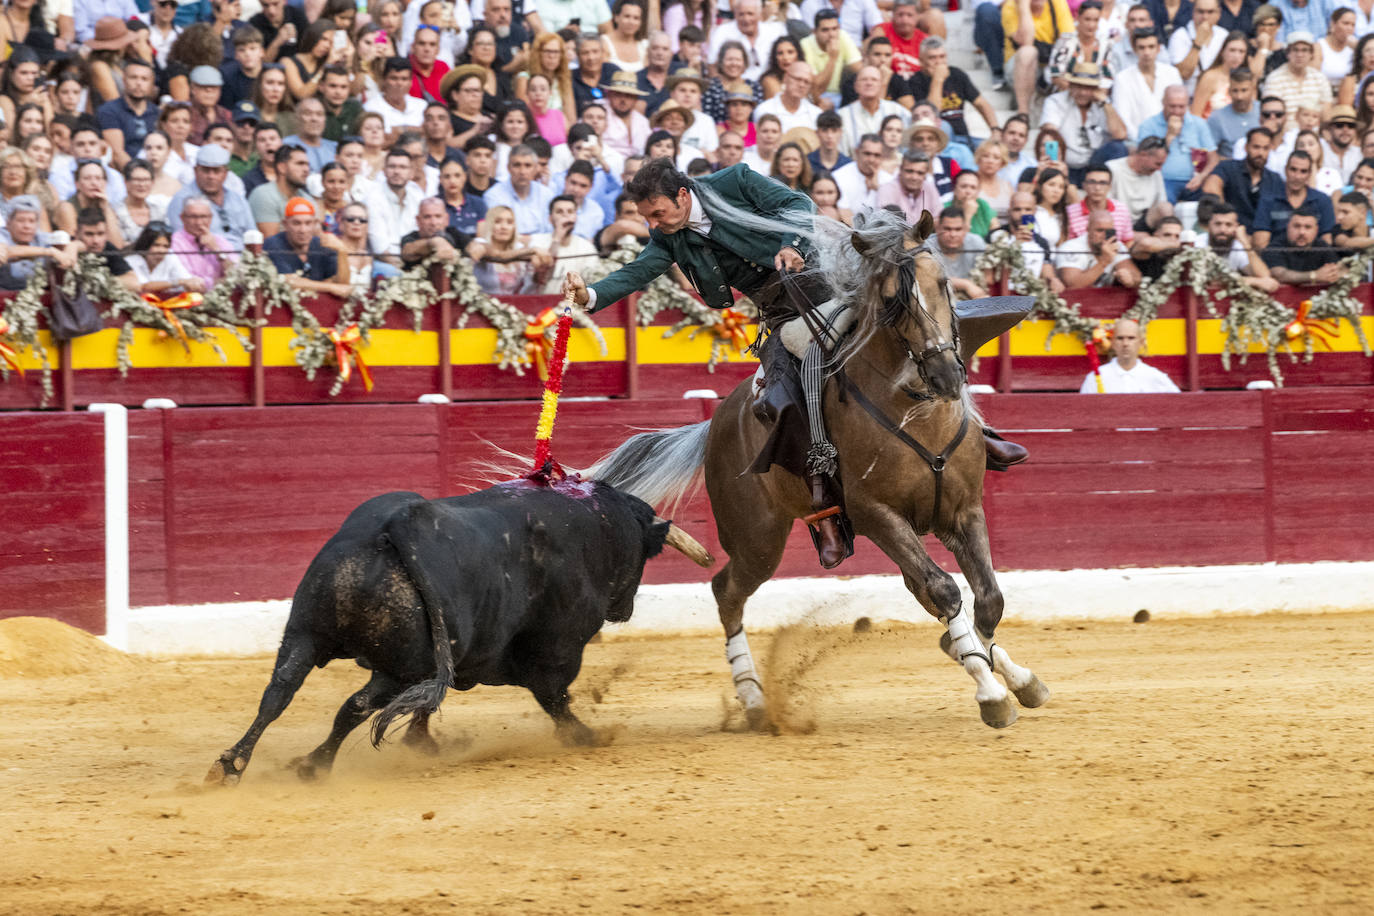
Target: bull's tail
(403,531)
(660,467)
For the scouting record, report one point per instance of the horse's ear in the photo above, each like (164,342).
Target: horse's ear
(860,245)
(923,228)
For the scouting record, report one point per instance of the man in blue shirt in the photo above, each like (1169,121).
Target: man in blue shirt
(1183,132)
(126,120)
(527,198)
(88,12)
(1274,210)
(1242,182)
(1311,16)
(231,215)
(300,257)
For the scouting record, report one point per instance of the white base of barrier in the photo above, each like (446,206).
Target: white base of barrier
(255,627)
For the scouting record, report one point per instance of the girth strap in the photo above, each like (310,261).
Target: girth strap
(937,463)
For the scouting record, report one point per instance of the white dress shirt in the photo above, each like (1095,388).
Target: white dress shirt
(1139,379)
(757,49)
(1133,98)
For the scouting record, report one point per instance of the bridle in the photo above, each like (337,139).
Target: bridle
(899,303)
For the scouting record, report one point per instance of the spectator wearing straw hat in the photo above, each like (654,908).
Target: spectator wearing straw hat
(626,129)
(686,88)
(90,15)
(929,138)
(1092,130)
(1339,149)
(739,112)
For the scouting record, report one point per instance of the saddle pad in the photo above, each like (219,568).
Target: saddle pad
(981,320)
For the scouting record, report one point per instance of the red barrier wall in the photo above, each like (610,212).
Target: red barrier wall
(52,515)
(230,504)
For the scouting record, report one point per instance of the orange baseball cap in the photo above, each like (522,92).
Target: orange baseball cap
(299,206)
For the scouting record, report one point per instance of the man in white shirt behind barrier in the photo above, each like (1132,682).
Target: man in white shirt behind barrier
(1126,374)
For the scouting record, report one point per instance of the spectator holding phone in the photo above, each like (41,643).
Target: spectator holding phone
(1035,250)
(1097,257)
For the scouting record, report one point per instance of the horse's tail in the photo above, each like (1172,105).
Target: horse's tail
(661,467)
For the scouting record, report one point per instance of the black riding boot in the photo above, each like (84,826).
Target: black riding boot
(1001,453)
(830,530)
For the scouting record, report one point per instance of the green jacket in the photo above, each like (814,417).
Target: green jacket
(743,188)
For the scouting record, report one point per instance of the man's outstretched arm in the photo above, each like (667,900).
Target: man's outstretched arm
(653,261)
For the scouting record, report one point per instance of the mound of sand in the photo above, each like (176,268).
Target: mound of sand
(41,647)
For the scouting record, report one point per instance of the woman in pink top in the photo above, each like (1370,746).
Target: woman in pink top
(552,123)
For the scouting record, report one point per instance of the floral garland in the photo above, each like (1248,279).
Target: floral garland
(1004,253)
(664,294)
(92,275)
(1252,316)
(414,290)
(19,320)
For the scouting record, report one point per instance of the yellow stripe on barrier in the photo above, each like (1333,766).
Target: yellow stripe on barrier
(476,346)
(654,348)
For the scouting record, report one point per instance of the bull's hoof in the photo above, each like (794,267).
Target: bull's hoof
(998,713)
(421,742)
(307,769)
(226,771)
(577,735)
(1033,695)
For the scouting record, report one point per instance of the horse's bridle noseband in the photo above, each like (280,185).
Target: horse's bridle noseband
(899,302)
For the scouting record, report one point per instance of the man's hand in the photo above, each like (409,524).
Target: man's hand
(1267,284)
(1194,183)
(1327,273)
(1204,34)
(573,283)
(444,250)
(939,73)
(193,285)
(789,259)
(206,241)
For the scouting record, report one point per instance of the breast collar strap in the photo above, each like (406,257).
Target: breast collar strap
(937,463)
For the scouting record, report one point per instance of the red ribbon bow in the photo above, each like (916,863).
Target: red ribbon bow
(731,328)
(538,347)
(8,353)
(1322,329)
(170,306)
(346,353)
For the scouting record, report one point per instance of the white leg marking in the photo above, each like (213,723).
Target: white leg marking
(748,686)
(1015,676)
(994,702)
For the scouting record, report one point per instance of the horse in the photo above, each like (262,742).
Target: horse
(897,408)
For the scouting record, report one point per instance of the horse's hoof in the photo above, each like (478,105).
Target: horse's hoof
(757,717)
(1033,695)
(998,713)
(947,646)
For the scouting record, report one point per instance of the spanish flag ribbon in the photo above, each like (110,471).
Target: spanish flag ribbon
(346,353)
(731,328)
(1102,335)
(170,306)
(538,347)
(8,353)
(547,470)
(1322,329)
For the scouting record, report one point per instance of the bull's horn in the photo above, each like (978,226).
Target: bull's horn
(688,546)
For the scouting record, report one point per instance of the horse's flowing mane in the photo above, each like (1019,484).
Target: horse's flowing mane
(852,279)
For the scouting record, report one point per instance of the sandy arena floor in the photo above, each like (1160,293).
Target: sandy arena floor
(1219,766)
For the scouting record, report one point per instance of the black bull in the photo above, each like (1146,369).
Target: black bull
(501,586)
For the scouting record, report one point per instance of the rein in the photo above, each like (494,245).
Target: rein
(937,463)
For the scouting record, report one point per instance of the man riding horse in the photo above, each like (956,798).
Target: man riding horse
(690,226)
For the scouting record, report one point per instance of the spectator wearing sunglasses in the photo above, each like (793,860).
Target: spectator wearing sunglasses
(232,216)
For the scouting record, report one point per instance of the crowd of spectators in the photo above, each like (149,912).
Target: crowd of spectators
(356,141)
